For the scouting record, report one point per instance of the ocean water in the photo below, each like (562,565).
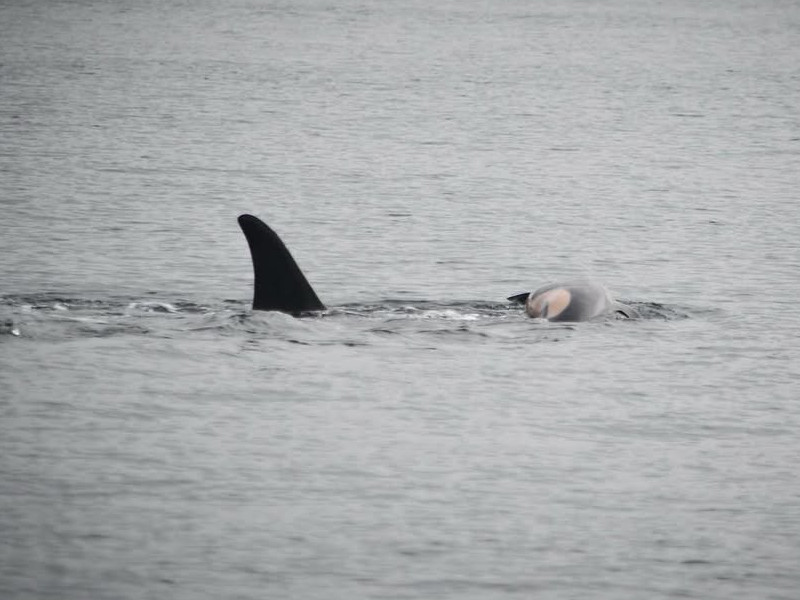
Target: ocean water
(422,438)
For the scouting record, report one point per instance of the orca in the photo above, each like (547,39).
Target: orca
(279,285)
(572,301)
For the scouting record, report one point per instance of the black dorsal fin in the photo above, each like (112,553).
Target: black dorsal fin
(279,284)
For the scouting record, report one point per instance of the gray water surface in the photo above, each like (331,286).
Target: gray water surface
(422,438)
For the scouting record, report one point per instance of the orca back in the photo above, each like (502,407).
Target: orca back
(585,300)
(279,284)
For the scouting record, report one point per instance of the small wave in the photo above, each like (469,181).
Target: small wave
(656,310)
(158,307)
(425,309)
(112,329)
(59,303)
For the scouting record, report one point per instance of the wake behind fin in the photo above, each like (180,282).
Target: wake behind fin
(279,284)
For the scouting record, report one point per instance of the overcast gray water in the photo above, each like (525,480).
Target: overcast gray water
(422,438)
